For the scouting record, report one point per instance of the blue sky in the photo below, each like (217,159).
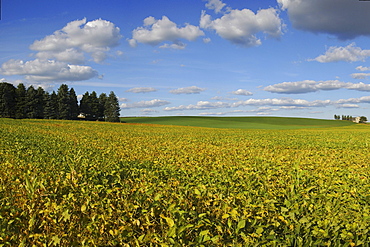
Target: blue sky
(203,58)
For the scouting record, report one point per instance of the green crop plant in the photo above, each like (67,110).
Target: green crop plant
(69,183)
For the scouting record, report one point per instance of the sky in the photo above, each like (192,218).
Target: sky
(291,58)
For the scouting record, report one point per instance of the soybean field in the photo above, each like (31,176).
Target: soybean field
(72,183)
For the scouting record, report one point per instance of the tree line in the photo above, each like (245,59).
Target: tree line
(21,102)
(363,119)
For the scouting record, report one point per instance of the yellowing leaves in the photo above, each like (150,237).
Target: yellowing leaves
(101,184)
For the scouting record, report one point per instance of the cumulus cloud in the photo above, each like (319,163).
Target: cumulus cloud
(309,86)
(141,90)
(200,105)
(350,53)
(344,19)
(156,31)
(241,26)
(47,70)
(70,43)
(145,104)
(242,92)
(188,90)
(60,56)
(216,5)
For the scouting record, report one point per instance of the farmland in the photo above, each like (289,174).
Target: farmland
(69,183)
(239,122)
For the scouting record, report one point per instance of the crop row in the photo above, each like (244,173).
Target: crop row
(65,183)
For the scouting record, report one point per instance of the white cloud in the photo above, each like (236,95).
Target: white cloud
(206,40)
(359,86)
(343,18)
(242,92)
(364,99)
(269,105)
(223,98)
(145,104)
(188,90)
(201,105)
(281,102)
(360,75)
(216,5)
(350,53)
(155,32)
(175,46)
(241,26)
(48,70)
(141,90)
(212,113)
(60,55)
(308,86)
(362,68)
(78,37)
(348,106)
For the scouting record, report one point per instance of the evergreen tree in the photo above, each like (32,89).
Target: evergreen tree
(7,100)
(85,105)
(73,104)
(31,102)
(112,108)
(21,103)
(102,101)
(47,106)
(94,105)
(64,108)
(54,106)
(40,102)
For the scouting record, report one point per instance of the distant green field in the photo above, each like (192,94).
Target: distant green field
(240,122)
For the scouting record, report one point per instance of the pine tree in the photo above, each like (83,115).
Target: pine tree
(31,102)
(54,109)
(20,109)
(112,108)
(40,102)
(73,102)
(64,108)
(94,105)
(85,105)
(102,101)
(7,100)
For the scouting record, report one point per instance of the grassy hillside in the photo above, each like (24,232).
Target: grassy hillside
(240,122)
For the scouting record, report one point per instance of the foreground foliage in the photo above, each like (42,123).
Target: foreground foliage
(65,183)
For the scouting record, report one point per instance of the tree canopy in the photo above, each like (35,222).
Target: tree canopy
(21,102)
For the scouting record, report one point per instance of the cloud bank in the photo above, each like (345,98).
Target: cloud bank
(344,19)
(61,55)
(309,86)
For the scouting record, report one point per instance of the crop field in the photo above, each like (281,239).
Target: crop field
(240,122)
(70,183)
